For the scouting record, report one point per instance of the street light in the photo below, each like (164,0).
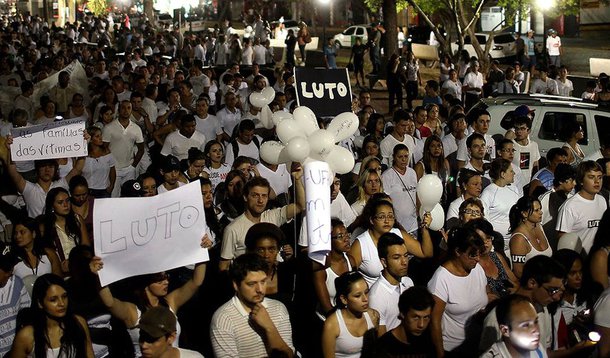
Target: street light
(325,3)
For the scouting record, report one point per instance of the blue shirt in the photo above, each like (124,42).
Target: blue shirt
(330,52)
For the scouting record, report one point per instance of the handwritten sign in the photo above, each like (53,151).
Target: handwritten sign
(62,139)
(327,92)
(136,236)
(318,179)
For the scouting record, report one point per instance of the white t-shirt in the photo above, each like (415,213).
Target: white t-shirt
(581,216)
(122,141)
(451,144)
(217,176)
(497,202)
(402,189)
(545,87)
(525,157)
(96,171)
(565,88)
(384,296)
(178,145)
(250,150)
(453,88)
(463,296)
(474,81)
(601,309)
(35,196)
(553,44)
(228,120)
(279,180)
(454,208)
(209,126)
(389,142)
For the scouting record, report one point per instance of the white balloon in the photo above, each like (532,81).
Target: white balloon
(306,119)
(297,149)
(279,116)
(340,160)
(269,94)
(429,191)
(271,151)
(343,126)
(321,142)
(258,100)
(438,217)
(288,129)
(266,117)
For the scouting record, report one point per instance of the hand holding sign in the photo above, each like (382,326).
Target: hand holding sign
(317,194)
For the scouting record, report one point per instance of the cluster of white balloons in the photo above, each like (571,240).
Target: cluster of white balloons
(429,193)
(301,139)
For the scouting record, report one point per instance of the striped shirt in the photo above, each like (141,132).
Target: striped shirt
(13,297)
(231,333)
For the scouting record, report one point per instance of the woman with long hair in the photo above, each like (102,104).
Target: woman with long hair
(35,258)
(348,330)
(151,290)
(107,98)
(195,164)
(53,330)
(375,127)
(337,263)
(380,219)
(61,227)
(232,201)
(434,161)
(368,184)
(215,166)
(572,133)
(433,120)
(459,288)
(527,237)
(99,169)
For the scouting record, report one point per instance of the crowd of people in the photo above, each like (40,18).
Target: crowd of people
(521,267)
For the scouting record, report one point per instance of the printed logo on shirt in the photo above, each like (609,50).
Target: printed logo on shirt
(524,160)
(592,223)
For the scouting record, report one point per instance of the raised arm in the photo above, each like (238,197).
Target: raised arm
(292,210)
(181,295)
(12,169)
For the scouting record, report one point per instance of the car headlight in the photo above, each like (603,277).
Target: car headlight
(498,48)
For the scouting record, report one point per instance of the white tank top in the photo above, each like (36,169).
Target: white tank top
(348,346)
(22,270)
(371,265)
(533,252)
(330,286)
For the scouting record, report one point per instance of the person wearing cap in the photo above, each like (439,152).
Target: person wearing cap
(158,334)
(179,142)
(170,170)
(14,297)
(126,143)
(250,324)
(553,48)
(472,85)
(529,57)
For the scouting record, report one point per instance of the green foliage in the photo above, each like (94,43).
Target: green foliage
(98,7)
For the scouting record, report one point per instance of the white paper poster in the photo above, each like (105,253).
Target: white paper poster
(136,236)
(62,139)
(318,179)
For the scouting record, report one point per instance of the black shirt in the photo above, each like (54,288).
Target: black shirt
(388,346)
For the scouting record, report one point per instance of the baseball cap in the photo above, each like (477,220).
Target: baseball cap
(523,110)
(8,259)
(158,322)
(131,189)
(170,163)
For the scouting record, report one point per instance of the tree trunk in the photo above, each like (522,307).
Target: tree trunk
(390,19)
(148,10)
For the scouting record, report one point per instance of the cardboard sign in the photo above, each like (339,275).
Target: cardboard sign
(136,236)
(62,139)
(327,92)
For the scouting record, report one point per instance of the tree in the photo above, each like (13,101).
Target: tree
(459,17)
(98,7)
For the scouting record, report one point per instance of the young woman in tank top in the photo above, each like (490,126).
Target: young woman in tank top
(527,237)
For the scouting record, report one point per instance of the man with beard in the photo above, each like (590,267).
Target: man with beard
(249,324)
(256,197)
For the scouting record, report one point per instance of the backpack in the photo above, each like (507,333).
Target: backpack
(236,146)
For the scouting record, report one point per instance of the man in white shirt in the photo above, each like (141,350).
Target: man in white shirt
(200,50)
(126,143)
(118,85)
(564,85)
(256,196)
(245,144)
(260,52)
(480,124)
(400,183)
(25,101)
(179,142)
(472,85)
(543,84)
(582,212)
(398,136)
(602,323)
(206,123)
(229,116)
(553,47)
(249,324)
(527,154)
(386,291)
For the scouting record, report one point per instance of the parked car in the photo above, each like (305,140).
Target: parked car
(347,38)
(163,19)
(551,113)
(288,25)
(502,45)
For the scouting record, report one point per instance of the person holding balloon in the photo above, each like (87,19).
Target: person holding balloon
(380,219)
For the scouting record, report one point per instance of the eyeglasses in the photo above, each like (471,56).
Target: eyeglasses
(521,128)
(341,236)
(552,291)
(383,217)
(472,212)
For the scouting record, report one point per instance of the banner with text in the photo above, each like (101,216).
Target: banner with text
(326,92)
(137,236)
(62,139)
(318,179)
